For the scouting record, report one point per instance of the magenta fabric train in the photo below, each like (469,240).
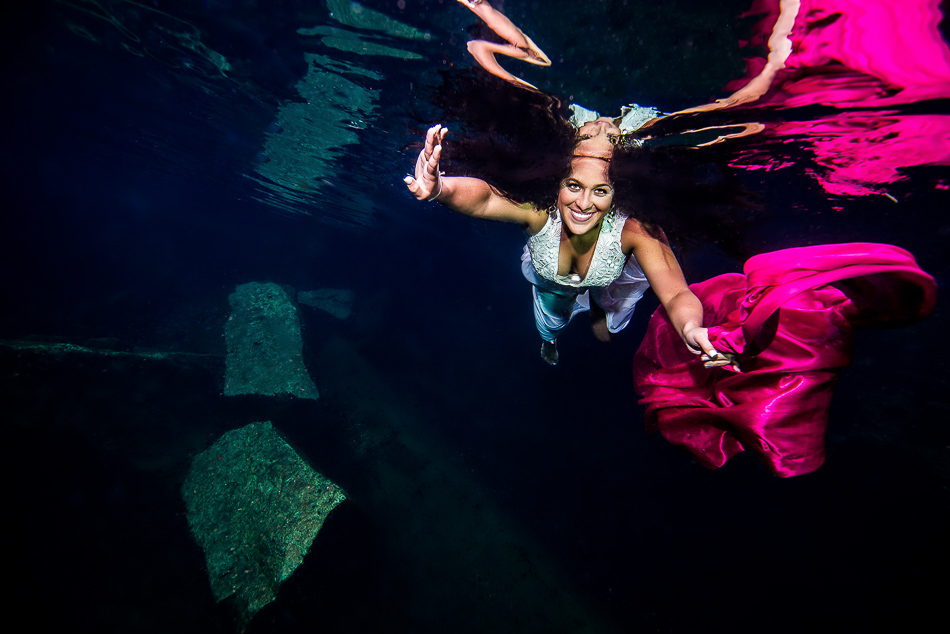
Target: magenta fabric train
(789,321)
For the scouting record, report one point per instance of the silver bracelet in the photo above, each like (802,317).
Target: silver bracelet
(438,193)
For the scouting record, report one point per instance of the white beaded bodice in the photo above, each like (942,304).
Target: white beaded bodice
(606,264)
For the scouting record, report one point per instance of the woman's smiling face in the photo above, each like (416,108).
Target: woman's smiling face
(586,195)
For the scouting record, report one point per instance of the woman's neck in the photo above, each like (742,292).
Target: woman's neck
(583,242)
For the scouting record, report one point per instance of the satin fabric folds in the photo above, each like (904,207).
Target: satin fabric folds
(789,319)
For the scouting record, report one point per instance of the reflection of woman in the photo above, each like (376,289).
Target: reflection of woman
(583,253)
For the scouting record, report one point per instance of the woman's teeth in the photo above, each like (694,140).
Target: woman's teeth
(580,216)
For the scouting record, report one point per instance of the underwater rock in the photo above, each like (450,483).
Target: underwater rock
(255,507)
(337,302)
(264,344)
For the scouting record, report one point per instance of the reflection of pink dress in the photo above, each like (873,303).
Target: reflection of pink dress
(789,319)
(856,54)
(865,53)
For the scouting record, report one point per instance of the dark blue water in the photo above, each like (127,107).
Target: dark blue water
(488,491)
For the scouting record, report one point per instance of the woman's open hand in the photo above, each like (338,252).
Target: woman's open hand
(427,184)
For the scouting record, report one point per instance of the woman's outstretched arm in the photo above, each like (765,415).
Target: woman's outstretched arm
(667,281)
(468,196)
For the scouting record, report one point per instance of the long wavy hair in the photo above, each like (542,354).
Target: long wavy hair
(689,192)
(521,142)
(518,141)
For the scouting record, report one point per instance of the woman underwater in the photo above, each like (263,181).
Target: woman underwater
(787,320)
(585,252)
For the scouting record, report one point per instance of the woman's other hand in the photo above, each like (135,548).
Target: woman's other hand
(427,184)
(697,340)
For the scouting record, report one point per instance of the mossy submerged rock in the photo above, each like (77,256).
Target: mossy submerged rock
(255,507)
(264,344)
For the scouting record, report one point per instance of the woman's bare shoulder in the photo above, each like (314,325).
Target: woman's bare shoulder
(633,233)
(534,218)
(634,226)
(636,233)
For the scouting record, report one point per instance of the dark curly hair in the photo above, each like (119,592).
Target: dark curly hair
(521,142)
(690,192)
(517,140)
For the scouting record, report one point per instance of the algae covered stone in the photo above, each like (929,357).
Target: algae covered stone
(255,506)
(264,344)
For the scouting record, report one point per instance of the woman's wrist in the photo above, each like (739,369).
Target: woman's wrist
(438,191)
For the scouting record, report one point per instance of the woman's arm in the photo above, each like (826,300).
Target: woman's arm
(468,196)
(666,278)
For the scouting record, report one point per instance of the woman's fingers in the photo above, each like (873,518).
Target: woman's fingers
(427,165)
(433,138)
(698,339)
(711,357)
(432,158)
(412,185)
(418,188)
(422,164)
(720,360)
(434,161)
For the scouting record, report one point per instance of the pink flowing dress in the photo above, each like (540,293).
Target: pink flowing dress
(790,320)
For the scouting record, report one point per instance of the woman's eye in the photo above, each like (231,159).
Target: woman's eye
(602,192)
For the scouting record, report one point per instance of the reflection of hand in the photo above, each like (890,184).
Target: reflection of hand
(519,45)
(427,184)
